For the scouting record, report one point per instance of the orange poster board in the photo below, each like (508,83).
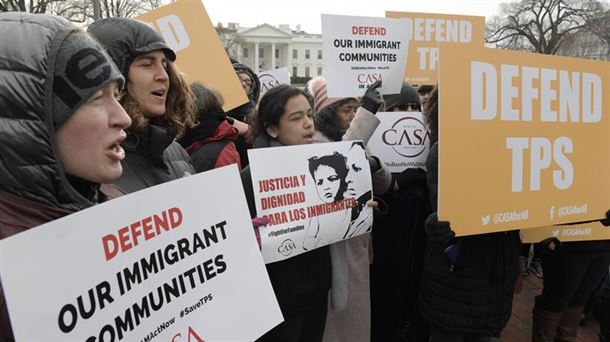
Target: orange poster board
(187,29)
(577,232)
(428,30)
(524,139)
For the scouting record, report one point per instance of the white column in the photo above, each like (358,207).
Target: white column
(256,58)
(272,56)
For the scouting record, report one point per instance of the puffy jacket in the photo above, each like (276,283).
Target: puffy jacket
(475,293)
(152,157)
(33,187)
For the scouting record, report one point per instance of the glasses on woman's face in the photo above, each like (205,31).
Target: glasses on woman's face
(347,109)
(245,80)
(410,107)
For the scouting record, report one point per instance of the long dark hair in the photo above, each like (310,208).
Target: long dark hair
(337,162)
(431,115)
(272,105)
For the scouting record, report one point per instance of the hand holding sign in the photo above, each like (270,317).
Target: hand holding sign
(372,100)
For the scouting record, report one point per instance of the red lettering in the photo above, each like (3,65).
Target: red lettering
(369,30)
(147,226)
(109,251)
(135,232)
(175,216)
(124,239)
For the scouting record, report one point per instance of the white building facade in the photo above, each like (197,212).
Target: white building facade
(266,47)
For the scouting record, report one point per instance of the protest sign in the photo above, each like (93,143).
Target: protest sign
(524,139)
(401,140)
(273,78)
(429,29)
(577,232)
(313,195)
(187,29)
(160,262)
(361,50)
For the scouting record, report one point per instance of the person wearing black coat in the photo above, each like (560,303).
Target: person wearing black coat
(156,97)
(468,283)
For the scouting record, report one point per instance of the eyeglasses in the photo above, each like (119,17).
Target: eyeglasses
(245,80)
(347,109)
(413,105)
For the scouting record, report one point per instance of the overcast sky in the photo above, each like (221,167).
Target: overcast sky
(249,13)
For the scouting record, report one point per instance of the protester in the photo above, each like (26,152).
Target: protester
(349,309)
(406,101)
(572,271)
(211,143)
(157,98)
(467,284)
(536,264)
(301,283)
(61,124)
(424,92)
(399,242)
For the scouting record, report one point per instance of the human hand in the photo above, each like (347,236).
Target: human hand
(372,100)
(606,221)
(438,231)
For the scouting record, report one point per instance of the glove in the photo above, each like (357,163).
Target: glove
(606,221)
(256,223)
(439,232)
(371,100)
(550,245)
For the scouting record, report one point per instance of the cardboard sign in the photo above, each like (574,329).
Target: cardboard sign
(187,29)
(313,195)
(158,263)
(361,50)
(430,29)
(401,140)
(273,78)
(524,139)
(578,232)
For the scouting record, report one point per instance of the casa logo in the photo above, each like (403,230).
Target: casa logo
(268,81)
(364,80)
(286,247)
(408,137)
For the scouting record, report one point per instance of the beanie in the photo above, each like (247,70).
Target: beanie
(81,69)
(407,95)
(317,88)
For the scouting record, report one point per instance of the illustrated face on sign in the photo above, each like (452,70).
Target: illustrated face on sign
(329,173)
(356,177)
(148,82)
(296,125)
(89,142)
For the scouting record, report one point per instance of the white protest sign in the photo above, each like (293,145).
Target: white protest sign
(159,263)
(361,50)
(313,195)
(273,78)
(401,140)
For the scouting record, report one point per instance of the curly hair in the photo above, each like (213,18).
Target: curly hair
(338,163)
(179,107)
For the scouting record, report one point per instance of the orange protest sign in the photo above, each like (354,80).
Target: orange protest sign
(524,139)
(578,232)
(187,29)
(428,30)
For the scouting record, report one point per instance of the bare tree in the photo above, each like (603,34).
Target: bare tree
(230,39)
(539,25)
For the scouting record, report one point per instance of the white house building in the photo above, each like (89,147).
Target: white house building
(267,47)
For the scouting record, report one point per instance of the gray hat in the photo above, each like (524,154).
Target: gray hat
(81,69)
(407,95)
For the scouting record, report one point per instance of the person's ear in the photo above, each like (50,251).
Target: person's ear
(273,131)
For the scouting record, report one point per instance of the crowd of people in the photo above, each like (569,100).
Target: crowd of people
(90,116)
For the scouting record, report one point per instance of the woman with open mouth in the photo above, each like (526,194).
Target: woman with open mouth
(157,99)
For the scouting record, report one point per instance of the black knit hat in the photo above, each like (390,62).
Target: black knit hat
(125,39)
(81,69)
(407,95)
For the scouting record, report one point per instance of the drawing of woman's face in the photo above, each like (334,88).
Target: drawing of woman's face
(327,183)
(356,177)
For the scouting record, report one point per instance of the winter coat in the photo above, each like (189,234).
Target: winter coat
(348,317)
(212,143)
(152,157)
(475,293)
(33,186)
(399,242)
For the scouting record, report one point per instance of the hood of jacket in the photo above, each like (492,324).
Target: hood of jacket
(256,83)
(125,39)
(29,165)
